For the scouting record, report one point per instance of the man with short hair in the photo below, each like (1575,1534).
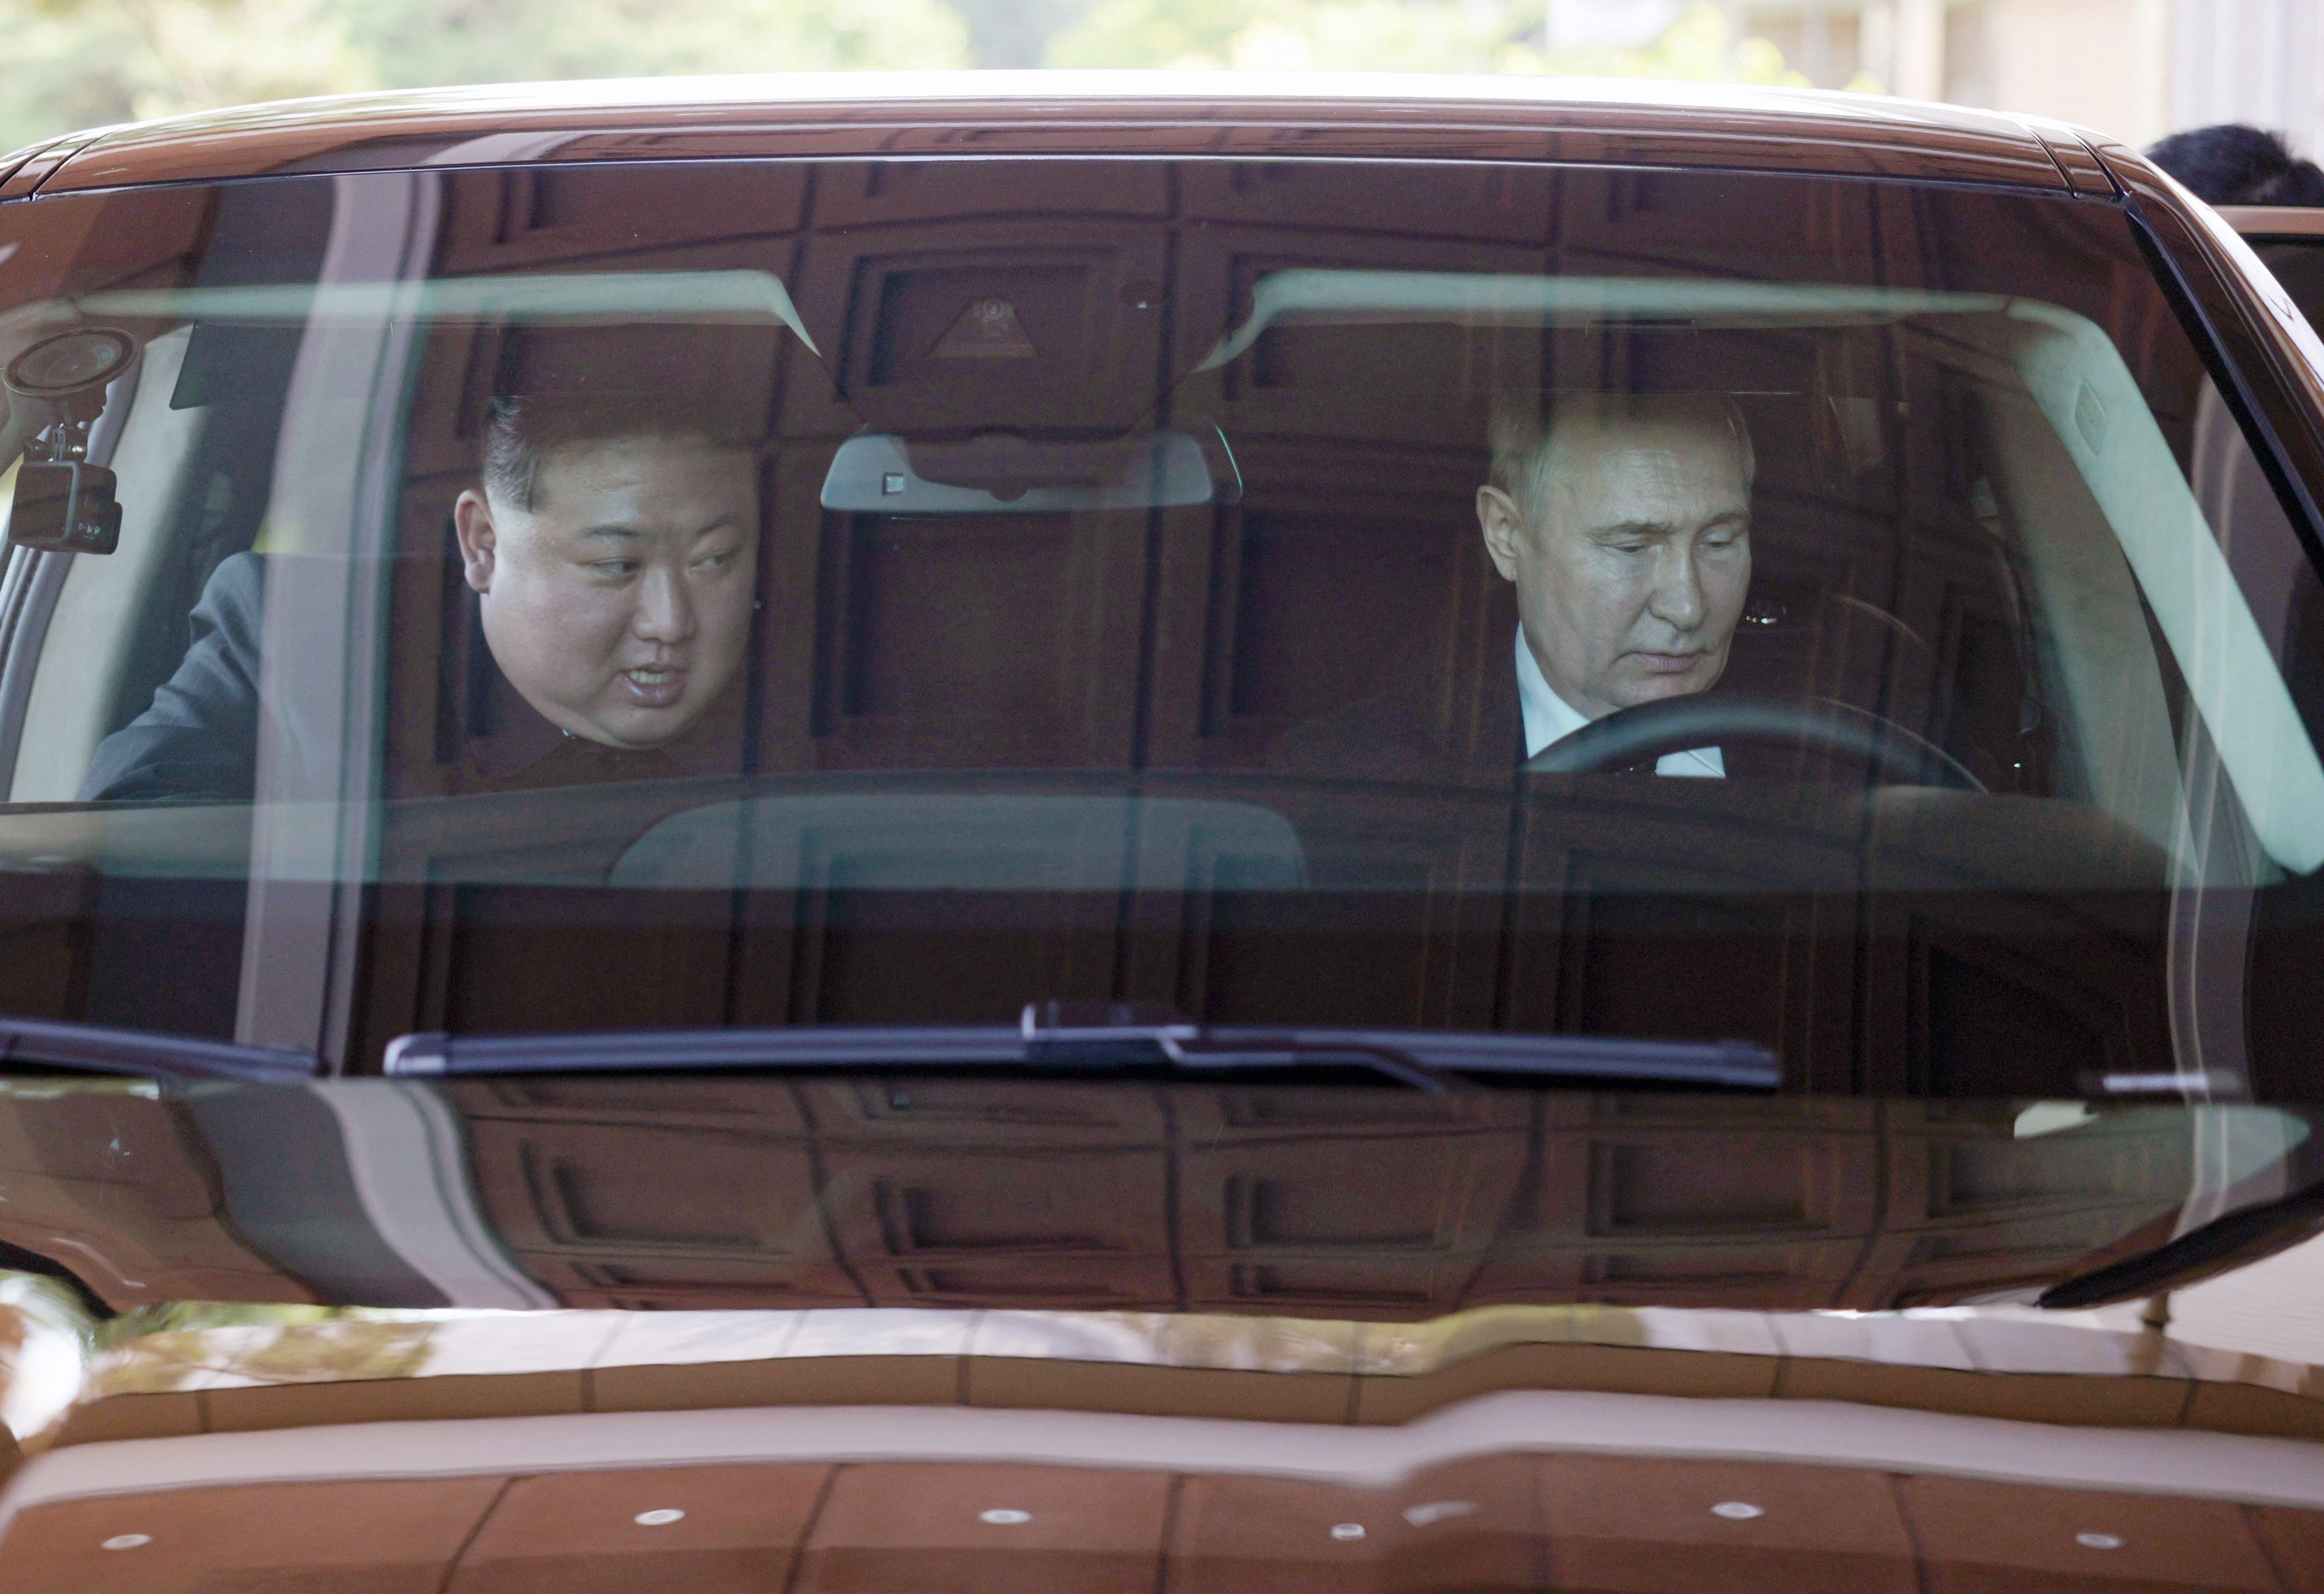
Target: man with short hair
(613,568)
(1622,523)
(612,557)
(1625,525)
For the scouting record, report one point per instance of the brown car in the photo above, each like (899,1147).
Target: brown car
(1094,834)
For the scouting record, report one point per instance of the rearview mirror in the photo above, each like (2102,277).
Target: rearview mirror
(65,507)
(1004,473)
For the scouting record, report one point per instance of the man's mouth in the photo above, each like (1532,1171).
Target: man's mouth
(654,687)
(1668,663)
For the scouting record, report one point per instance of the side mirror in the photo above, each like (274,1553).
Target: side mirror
(66,508)
(1002,473)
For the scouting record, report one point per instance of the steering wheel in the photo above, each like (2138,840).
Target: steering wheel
(1674,725)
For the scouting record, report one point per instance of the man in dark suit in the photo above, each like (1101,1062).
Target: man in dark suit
(612,562)
(1622,524)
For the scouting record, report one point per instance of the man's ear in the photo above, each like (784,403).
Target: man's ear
(1504,526)
(472,523)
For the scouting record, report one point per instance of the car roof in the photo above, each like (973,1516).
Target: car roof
(1246,115)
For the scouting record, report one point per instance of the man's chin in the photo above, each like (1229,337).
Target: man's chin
(1654,688)
(647,740)
(638,730)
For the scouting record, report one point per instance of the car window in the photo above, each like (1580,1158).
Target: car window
(2298,262)
(1836,615)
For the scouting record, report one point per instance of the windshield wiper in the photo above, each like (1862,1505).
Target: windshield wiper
(2232,1240)
(1099,1039)
(1137,1035)
(56,1044)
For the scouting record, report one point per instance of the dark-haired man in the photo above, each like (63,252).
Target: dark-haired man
(1622,524)
(614,575)
(613,560)
(2233,164)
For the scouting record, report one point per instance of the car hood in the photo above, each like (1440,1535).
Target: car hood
(1518,1447)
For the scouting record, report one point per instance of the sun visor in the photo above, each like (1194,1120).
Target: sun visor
(726,298)
(1313,297)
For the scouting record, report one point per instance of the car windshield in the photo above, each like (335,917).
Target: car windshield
(1832,616)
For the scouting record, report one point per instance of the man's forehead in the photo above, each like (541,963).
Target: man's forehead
(647,461)
(1577,438)
(1648,474)
(643,450)
(1648,457)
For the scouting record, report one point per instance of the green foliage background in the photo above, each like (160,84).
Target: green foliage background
(79,63)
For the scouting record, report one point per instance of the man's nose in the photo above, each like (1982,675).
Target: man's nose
(1677,597)
(665,612)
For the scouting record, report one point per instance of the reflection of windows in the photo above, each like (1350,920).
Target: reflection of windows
(1319,597)
(945,618)
(1090,1194)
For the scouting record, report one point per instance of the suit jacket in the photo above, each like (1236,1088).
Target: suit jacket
(1418,731)
(198,742)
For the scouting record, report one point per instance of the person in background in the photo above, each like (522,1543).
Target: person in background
(2232,164)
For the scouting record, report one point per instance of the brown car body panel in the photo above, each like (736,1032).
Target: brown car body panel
(2274,221)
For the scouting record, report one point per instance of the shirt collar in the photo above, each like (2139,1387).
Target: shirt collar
(1550,718)
(1547,716)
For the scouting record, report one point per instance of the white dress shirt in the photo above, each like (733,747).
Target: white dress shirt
(1550,718)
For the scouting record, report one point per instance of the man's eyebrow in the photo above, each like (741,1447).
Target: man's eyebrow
(1664,528)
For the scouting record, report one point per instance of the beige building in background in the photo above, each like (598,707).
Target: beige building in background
(2134,68)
